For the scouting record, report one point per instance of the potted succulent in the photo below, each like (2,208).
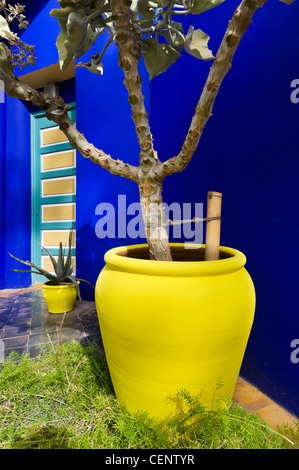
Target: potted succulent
(170,317)
(62,288)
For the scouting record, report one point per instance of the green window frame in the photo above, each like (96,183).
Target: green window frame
(38,123)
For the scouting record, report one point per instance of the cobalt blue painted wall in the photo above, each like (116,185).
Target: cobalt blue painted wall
(17,215)
(42,33)
(2,190)
(249,152)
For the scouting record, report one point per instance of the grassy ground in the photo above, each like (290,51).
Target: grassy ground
(65,400)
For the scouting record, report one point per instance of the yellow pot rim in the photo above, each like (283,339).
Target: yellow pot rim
(60,286)
(236,261)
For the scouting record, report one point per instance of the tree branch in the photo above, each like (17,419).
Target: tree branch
(129,41)
(195,220)
(237,27)
(56,110)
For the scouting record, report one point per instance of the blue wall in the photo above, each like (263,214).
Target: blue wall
(42,33)
(15,191)
(17,215)
(249,152)
(2,191)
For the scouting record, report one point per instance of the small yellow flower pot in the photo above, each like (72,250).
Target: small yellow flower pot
(173,325)
(59,299)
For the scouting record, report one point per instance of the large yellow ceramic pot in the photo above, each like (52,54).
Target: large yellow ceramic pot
(173,325)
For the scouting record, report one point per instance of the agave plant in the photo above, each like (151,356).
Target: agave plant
(62,267)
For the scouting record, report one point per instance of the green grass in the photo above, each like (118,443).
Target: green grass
(64,399)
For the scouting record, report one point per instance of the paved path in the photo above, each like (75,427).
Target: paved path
(26,324)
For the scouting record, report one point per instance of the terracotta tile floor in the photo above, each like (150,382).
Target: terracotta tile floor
(253,400)
(25,325)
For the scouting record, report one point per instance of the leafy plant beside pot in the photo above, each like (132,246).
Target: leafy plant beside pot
(62,288)
(169,318)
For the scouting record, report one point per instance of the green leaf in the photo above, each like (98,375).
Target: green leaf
(5,31)
(54,262)
(76,31)
(94,65)
(61,13)
(45,274)
(199,6)
(62,52)
(73,31)
(60,263)
(173,38)
(196,44)
(146,8)
(28,263)
(145,23)
(62,16)
(287,1)
(83,280)
(25,271)
(88,41)
(158,57)
(34,266)
(73,281)
(67,266)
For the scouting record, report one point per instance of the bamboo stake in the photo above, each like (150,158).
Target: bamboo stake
(213,226)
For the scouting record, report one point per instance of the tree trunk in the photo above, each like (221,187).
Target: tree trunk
(128,39)
(154,220)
